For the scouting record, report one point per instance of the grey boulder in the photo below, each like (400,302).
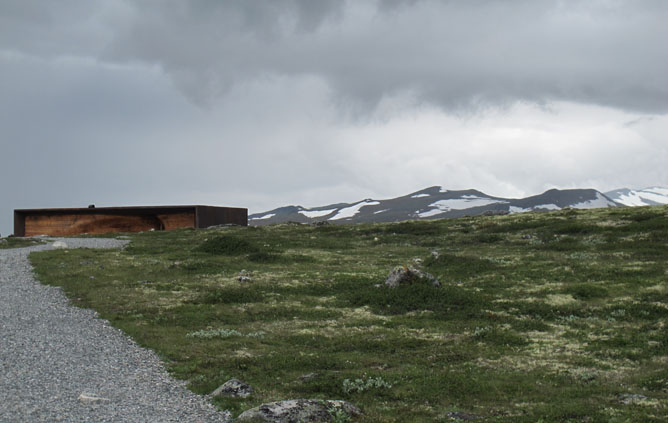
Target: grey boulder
(299,410)
(233,388)
(403,275)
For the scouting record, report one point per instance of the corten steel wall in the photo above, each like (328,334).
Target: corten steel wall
(57,222)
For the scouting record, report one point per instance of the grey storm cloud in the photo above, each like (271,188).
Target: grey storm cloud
(263,103)
(455,54)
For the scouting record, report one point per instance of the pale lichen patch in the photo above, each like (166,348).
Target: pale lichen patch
(560,299)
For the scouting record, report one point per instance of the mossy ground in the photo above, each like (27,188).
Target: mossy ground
(540,318)
(14,242)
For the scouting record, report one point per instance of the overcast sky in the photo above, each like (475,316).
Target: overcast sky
(261,104)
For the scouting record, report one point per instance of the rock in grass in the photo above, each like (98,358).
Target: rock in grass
(631,398)
(233,388)
(59,245)
(244,276)
(458,415)
(309,377)
(299,410)
(403,275)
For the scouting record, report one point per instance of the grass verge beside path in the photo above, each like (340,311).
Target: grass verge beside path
(14,242)
(552,317)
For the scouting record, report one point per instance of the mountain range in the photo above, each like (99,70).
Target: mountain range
(437,203)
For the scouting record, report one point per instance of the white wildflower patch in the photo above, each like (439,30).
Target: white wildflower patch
(364,384)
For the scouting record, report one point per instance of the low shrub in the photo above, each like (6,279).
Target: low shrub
(227,245)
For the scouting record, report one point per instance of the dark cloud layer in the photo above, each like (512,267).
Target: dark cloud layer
(454,54)
(102,100)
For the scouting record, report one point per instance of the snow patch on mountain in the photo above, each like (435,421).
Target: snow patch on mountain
(429,213)
(465,202)
(599,202)
(316,213)
(546,207)
(352,210)
(420,195)
(651,196)
(514,209)
(266,216)
(657,190)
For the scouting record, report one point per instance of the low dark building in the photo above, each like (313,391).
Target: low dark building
(99,220)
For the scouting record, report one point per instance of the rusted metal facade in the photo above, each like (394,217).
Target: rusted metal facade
(99,220)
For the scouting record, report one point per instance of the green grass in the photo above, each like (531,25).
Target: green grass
(541,317)
(14,242)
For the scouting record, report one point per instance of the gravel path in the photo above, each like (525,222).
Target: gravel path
(51,353)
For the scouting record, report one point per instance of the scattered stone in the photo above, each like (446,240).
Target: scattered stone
(458,415)
(309,377)
(527,236)
(3,241)
(631,398)
(417,261)
(435,254)
(233,388)
(376,239)
(91,398)
(146,282)
(403,275)
(298,410)
(91,277)
(321,223)
(244,276)
(59,245)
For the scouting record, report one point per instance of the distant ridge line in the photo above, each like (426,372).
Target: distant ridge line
(435,202)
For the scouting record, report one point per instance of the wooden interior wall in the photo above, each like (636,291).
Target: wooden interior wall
(177,220)
(73,224)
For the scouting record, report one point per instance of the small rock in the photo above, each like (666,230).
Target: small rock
(244,276)
(59,245)
(376,239)
(233,388)
(526,236)
(458,415)
(297,410)
(407,275)
(91,277)
(435,254)
(309,376)
(146,282)
(631,398)
(91,398)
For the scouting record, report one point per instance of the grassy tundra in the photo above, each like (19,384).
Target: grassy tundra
(551,317)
